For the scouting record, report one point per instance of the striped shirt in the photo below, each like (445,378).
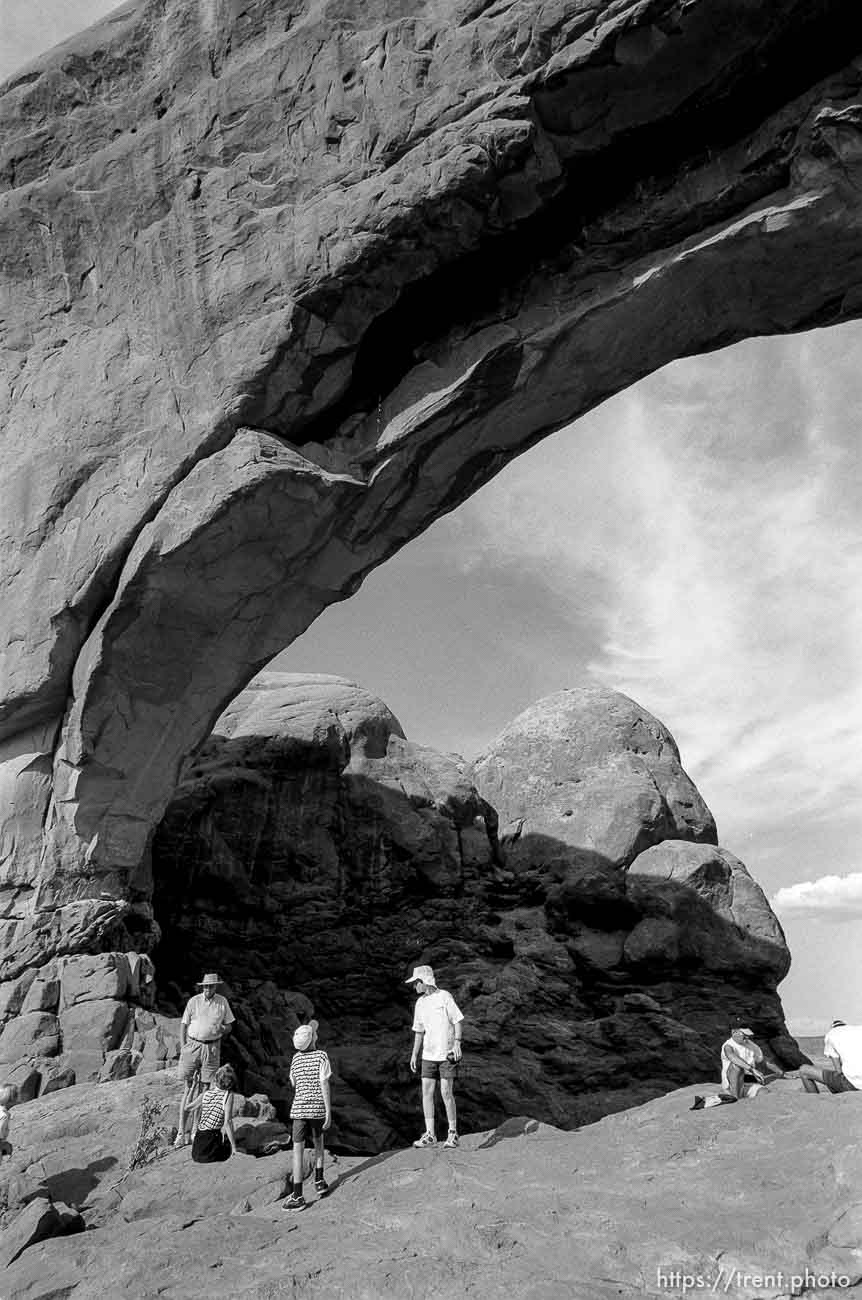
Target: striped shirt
(212,1110)
(307,1070)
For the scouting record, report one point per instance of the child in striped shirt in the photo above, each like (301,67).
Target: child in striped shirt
(311,1111)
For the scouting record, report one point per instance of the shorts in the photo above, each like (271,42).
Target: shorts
(439,1069)
(197,1057)
(835,1081)
(210,1147)
(312,1127)
(5,1147)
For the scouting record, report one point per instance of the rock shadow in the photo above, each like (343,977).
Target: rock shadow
(517,1126)
(588,986)
(371,1163)
(73,1186)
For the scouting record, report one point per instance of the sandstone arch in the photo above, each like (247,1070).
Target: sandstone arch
(281,282)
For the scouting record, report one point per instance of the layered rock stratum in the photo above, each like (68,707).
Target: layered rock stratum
(281,282)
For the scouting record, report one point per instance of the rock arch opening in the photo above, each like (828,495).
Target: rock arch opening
(200,267)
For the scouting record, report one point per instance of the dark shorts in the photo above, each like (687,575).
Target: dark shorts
(439,1069)
(835,1081)
(307,1128)
(210,1147)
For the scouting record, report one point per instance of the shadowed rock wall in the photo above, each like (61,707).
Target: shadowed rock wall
(280,283)
(599,943)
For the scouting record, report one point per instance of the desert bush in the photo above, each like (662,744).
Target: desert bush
(151,1140)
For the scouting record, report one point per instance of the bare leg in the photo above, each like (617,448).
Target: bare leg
(447,1092)
(735,1080)
(190,1093)
(428,1086)
(181,1118)
(811,1075)
(199,1087)
(318,1155)
(298,1152)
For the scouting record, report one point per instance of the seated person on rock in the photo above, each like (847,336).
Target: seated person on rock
(740,1056)
(214,1139)
(842,1045)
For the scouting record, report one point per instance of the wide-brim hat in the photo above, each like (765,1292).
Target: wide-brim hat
(209,981)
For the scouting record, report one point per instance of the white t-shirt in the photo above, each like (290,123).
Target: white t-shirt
(205,1019)
(435,1015)
(749,1052)
(845,1043)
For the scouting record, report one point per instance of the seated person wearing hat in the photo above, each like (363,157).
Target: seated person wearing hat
(842,1046)
(740,1055)
(206,1020)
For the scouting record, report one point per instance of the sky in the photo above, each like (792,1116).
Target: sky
(695,542)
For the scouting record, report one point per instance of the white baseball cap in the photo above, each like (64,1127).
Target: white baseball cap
(423,973)
(303,1036)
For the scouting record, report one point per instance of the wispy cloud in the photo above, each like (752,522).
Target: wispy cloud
(831,898)
(705,532)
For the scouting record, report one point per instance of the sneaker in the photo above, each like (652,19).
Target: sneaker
(698,1103)
(321,1186)
(294,1202)
(426,1140)
(181,1140)
(452,1140)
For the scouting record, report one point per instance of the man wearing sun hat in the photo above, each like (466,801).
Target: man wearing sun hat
(842,1047)
(206,1020)
(437,1033)
(740,1055)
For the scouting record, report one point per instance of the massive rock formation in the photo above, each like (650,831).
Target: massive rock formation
(596,938)
(280,282)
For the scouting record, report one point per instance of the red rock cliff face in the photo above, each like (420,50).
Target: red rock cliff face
(597,940)
(282,282)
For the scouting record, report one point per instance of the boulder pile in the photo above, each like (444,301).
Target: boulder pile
(567,887)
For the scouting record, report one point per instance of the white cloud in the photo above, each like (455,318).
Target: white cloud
(705,530)
(832,898)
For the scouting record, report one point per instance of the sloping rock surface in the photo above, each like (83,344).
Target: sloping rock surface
(744,1197)
(313,855)
(281,282)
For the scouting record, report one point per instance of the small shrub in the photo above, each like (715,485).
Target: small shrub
(150,1144)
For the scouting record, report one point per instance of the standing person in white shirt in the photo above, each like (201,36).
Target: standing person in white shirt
(437,1033)
(842,1045)
(206,1020)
